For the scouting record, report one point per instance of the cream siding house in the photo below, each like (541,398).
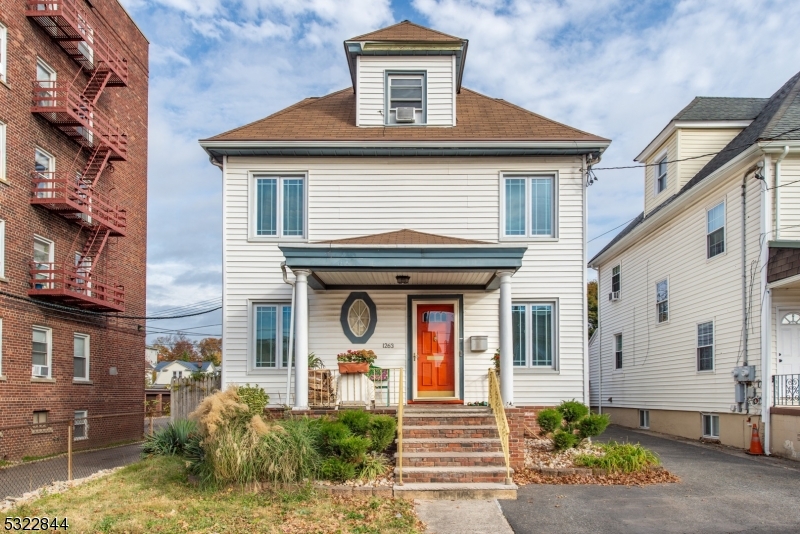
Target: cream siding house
(706,279)
(413,217)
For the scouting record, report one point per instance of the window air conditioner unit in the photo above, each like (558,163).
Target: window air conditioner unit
(41,371)
(614,295)
(405,115)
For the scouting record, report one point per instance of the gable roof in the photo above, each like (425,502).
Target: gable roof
(778,120)
(404,237)
(188,365)
(332,118)
(407,31)
(712,108)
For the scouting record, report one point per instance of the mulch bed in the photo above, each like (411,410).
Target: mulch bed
(642,478)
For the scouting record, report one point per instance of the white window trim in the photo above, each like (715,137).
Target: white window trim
(3,152)
(703,425)
(46,66)
(252,205)
(658,159)
(724,228)
(3,54)
(2,376)
(528,236)
(669,308)
(621,351)
(388,75)
(85,419)
(251,337)
(713,347)
(3,251)
(617,266)
(49,333)
(554,325)
(87,354)
(647,416)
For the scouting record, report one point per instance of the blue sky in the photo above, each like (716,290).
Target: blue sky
(616,68)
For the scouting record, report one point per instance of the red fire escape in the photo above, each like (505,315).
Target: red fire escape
(73,193)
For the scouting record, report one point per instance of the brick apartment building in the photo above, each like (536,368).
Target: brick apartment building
(73,216)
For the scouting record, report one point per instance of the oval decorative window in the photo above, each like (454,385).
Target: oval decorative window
(792,318)
(358,317)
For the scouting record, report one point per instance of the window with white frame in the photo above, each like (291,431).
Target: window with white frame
(705,346)
(81,356)
(661,179)
(46,83)
(3,53)
(618,351)
(1,346)
(2,248)
(280,206)
(615,279)
(3,152)
(533,333)
(529,203)
(644,418)
(42,352)
(43,254)
(662,301)
(177,374)
(80,428)
(406,98)
(45,165)
(271,324)
(710,426)
(715,230)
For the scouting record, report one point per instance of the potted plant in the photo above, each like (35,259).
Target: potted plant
(355,361)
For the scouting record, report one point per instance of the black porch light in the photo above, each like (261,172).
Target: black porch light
(402,279)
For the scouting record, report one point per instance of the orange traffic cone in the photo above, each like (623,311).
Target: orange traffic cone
(755,444)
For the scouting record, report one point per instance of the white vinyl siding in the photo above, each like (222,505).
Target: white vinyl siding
(669,152)
(789,197)
(80,357)
(715,230)
(439,82)
(700,144)
(349,197)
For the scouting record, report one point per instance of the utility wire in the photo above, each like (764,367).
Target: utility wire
(608,232)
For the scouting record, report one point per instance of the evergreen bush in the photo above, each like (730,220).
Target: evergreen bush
(563,440)
(381,432)
(337,470)
(572,411)
(593,425)
(549,420)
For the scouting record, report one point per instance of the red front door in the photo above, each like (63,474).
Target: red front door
(436,342)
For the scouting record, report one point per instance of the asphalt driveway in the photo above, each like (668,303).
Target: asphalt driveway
(719,492)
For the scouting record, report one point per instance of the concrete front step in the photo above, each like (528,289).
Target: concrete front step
(455,491)
(449,431)
(452,459)
(452,445)
(452,474)
(448,419)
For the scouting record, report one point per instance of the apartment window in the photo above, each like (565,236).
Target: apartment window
(46,81)
(1,346)
(3,53)
(272,323)
(705,346)
(407,94)
(618,351)
(2,248)
(710,426)
(661,180)
(3,152)
(662,301)
(43,254)
(45,165)
(529,206)
(40,420)
(715,230)
(42,351)
(533,334)
(615,279)
(280,206)
(81,356)
(644,418)
(80,428)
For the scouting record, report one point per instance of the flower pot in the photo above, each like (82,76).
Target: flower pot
(351,368)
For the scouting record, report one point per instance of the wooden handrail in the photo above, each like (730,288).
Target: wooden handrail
(496,403)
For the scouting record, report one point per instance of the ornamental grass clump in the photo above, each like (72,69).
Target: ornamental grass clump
(171,440)
(620,457)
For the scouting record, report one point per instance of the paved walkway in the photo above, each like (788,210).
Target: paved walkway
(721,491)
(16,480)
(462,517)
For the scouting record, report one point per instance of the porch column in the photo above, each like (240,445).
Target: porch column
(506,340)
(300,314)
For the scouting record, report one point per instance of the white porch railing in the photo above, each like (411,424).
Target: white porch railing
(381,387)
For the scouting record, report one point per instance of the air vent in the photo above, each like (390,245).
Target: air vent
(405,115)
(41,371)
(614,295)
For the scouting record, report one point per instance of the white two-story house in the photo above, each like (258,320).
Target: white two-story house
(707,280)
(411,216)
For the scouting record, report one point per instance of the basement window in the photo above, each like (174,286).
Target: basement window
(40,424)
(710,426)
(644,418)
(80,428)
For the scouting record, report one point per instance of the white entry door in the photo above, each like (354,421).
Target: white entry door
(789,343)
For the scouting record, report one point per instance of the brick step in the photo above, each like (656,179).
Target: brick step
(450,431)
(419,419)
(437,475)
(455,491)
(443,408)
(452,445)
(452,459)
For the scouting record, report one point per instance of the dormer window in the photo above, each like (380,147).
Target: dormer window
(661,183)
(405,101)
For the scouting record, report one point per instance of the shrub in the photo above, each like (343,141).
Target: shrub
(593,425)
(563,440)
(358,421)
(330,433)
(373,466)
(549,420)
(290,455)
(620,457)
(382,429)
(572,411)
(221,408)
(254,397)
(337,470)
(352,448)
(170,440)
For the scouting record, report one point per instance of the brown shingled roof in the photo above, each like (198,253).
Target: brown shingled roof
(406,31)
(404,237)
(332,118)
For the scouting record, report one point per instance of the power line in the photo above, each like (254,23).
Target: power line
(608,232)
(188,307)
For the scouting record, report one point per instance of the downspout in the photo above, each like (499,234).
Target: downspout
(744,270)
(777,187)
(291,337)
(766,305)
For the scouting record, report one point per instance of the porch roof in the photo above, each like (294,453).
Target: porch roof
(430,261)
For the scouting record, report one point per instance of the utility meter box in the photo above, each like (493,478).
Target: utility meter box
(478,343)
(744,373)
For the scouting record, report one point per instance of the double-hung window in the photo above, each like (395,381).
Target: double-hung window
(661,178)
(81,357)
(46,82)
(42,352)
(271,325)
(662,301)
(405,102)
(705,346)
(618,351)
(2,248)
(533,334)
(80,428)
(43,254)
(3,152)
(615,281)
(45,165)
(715,230)
(3,53)
(280,206)
(529,206)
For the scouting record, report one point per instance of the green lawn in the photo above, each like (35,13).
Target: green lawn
(154,496)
